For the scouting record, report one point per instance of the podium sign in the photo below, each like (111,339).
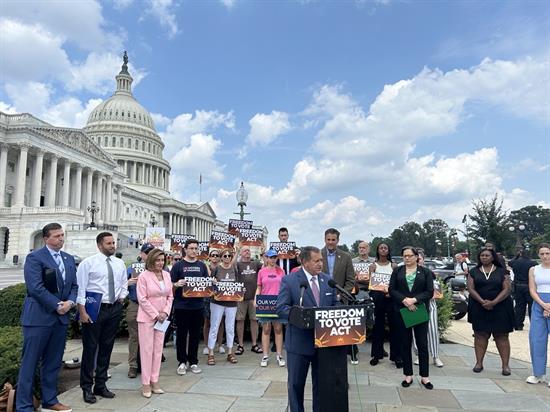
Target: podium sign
(340,326)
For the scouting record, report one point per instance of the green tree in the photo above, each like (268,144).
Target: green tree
(408,234)
(355,247)
(435,233)
(344,247)
(537,224)
(490,222)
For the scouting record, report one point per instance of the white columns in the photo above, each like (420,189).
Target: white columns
(66,183)
(134,173)
(119,203)
(98,195)
(88,199)
(142,177)
(3,172)
(78,187)
(170,223)
(36,185)
(21,175)
(108,199)
(52,182)
(156,176)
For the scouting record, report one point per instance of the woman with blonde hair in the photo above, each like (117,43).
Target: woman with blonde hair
(154,292)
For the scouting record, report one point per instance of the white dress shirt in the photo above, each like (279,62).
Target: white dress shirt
(92,276)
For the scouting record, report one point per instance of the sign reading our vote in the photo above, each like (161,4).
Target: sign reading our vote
(266,306)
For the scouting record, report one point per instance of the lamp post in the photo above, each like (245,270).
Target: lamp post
(452,232)
(153,221)
(242,197)
(519,230)
(93,209)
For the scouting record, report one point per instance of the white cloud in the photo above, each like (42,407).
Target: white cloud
(162,10)
(228,3)
(79,22)
(265,128)
(35,98)
(198,158)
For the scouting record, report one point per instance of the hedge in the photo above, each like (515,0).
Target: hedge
(11,304)
(11,345)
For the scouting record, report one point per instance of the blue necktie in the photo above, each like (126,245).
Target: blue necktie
(57,258)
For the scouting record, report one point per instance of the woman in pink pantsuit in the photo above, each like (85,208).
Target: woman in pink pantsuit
(154,291)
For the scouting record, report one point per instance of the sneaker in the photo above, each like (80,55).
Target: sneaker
(221,349)
(438,363)
(205,351)
(264,361)
(132,373)
(281,361)
(354,361)
(533,379)
(182,369)
(416,361)
(195,369)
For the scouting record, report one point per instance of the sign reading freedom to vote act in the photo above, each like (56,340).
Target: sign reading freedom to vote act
(340,326)
(380,282)
(285,250)
(229,291)
(197,287)
(362,271)
(177,241)
(136,268)
(221,240)
(235,225)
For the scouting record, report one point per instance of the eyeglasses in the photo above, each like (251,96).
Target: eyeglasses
(226,256)
(214,255)
(176,259)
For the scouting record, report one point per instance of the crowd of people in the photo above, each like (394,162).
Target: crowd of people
(157,306)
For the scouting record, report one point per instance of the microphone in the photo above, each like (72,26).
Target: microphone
(340,289)
(304,284)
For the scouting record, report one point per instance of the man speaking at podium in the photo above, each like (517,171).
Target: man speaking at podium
(307,287)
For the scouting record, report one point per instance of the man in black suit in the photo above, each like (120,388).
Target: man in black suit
(299,343)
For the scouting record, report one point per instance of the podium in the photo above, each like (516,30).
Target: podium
(332,371)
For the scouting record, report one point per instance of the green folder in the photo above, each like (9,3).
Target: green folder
(412,318)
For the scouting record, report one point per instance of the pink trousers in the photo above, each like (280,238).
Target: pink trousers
(150,349)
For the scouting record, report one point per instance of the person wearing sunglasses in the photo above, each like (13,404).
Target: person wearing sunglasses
(213,262)
(225,271)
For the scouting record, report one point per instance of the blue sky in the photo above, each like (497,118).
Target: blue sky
(360,115)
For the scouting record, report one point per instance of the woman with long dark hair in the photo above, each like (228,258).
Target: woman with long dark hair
(412,285)
(490,311)
(383,307)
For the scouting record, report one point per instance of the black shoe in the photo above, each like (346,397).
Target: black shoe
(163,359)
(399,364)
(519,328)
(427,385)
(374,362)
(104,393)
(406,384)
(89,397)
(385,354)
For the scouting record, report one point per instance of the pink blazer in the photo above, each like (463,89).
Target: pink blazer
(152,299)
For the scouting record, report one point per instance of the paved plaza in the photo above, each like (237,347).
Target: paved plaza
(247,387)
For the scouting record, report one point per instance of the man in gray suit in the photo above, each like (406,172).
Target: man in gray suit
(339,266)
(337,263)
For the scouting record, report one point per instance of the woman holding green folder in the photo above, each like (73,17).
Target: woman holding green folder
(411,287)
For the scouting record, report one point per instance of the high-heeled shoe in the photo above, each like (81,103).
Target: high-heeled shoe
(146,391)
(156,388)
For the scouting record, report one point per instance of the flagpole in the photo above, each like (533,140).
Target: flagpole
(200,187)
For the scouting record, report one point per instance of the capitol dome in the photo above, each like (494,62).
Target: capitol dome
(125,129)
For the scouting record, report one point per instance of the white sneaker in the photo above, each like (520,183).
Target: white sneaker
(195,369)
(354,361)
(205,351)
(534,379)
(416,361)
(438,363)
(221,349)
(281,361)
(182,369)
(264,362)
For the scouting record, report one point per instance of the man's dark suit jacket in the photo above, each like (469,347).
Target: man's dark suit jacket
(344,274)
(422,290)
(40,306)
(297,340)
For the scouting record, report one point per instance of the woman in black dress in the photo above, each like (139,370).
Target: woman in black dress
(490,308)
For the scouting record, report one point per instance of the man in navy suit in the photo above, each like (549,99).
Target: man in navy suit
(299,343)
(50,277)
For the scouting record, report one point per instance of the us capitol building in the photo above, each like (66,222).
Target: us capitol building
(54,174)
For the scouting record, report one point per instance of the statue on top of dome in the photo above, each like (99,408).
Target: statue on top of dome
(125,62)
